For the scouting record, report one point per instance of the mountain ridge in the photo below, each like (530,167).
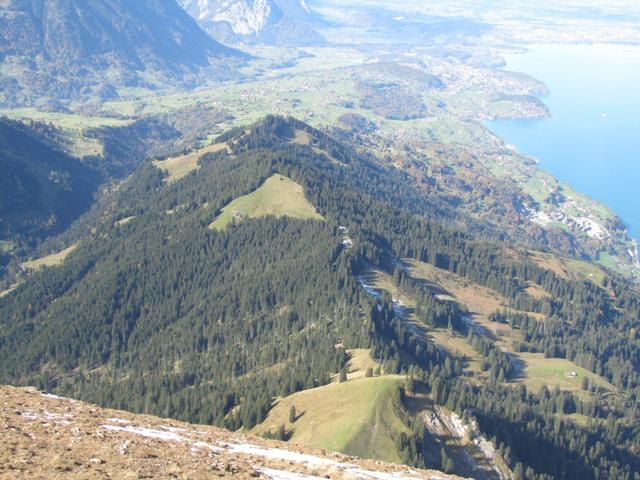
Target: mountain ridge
(67,50)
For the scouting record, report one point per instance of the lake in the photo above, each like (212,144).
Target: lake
(592,140)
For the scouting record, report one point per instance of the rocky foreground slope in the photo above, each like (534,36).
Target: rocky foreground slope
(44,436)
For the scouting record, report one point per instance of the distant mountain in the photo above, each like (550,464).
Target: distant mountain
(42,189)
(281,22)
(66,49)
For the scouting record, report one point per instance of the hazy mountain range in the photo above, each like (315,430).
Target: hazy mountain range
(67,49)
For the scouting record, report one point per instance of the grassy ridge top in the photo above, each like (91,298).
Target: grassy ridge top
(359,417)
(279,196)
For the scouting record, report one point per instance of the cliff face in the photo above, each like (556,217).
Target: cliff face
(265,21)
(45,435)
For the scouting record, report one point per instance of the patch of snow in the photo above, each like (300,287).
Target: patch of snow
(368,288)
(207,446)
(541,218)
(283,475)
(245,17)
(633,253)
(118,420)
(381,475)
(303,4)
(311,460)
(147,432)
(30,415)
(51,415)
(53,397)
(278,454)
(486,447)
(172,429)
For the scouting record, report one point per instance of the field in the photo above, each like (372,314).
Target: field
(50,260)
(358,417)
(279,196)
(66,121)
(569,268)
(556,371)
(359,361)
(179,167)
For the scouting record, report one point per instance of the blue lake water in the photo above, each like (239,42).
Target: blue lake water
(592,140)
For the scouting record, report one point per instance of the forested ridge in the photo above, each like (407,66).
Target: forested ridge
(42,188)
(166,316)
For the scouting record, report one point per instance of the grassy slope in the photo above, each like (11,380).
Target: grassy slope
(50,260)
(279,196)
(178,167)
(553,371)
(481,302)
(358,417)
(569,268)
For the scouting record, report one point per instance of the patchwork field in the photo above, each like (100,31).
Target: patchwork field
(279,196)
(358,417)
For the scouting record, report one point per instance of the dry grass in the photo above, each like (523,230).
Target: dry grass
(536,291)
(304,138)
(479,300)
(125,221)
(53,438)
(569,268)
(53,260)
(179,167)
(359,362)
(6,292)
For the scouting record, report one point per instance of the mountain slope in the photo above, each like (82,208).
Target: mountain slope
(280,22)
(42,189)
(78,440)
(359,417)
(155,312)
(66,49)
